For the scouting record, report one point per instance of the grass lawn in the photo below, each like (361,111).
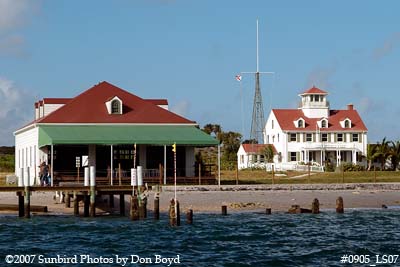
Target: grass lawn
(291,177)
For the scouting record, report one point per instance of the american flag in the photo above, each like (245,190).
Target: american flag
(238,78)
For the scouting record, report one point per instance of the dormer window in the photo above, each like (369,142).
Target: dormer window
(114,105)
(346,123)
(300,123)
(324,123)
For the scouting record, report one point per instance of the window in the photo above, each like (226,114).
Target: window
(293,156)
(340,137)
(316,97)
(355,137)
(272,124)
(300,123)
(278,138)
(324,137)
(267,139)
(323,124)
(293,137)
(311,98)
(308,137)
(346,124)
(241,159)
(115,107)
(273,139)
(321,98)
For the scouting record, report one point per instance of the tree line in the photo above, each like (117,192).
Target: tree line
(384,152)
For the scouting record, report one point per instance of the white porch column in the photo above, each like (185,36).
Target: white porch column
(165,164)
(112,164)
(92,155)
(52,165)
(354,157)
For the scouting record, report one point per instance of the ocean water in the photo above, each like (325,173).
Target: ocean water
(239,239)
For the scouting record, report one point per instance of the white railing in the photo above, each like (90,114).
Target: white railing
(292,167)
(326,145)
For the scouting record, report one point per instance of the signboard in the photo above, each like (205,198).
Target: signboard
(78,162)
(133,177)
(85,161)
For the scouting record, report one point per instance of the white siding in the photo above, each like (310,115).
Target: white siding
(49,108)
(26,151)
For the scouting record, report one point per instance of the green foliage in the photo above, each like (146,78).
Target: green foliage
(7,163)
(349,167)
(268,153)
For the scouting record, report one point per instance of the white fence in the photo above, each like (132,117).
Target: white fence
(292,167)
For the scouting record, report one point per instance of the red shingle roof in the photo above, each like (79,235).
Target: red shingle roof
(90,107)
(56,100)
(257,148)
(314,91)
(285,118)
(158,101)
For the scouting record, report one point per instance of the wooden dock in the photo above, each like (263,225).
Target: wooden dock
(76,193)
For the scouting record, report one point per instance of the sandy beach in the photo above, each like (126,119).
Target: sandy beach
(243,198)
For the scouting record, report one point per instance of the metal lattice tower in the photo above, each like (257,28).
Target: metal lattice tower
(257,121)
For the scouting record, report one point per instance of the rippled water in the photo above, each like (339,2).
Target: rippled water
(242,239)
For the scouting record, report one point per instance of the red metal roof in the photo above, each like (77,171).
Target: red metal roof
(90,107)
(314,91)
(158,101)
(56,100)
(257,148)
(285,118)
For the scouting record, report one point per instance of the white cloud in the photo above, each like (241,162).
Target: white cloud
(181,108)
(321,77)
(16,109)
(13,12)
(387,47)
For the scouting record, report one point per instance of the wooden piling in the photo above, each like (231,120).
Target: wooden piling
(315,206)
(27,202)
(76,204)
(143,209)
(224,210)
(21,211)
(189,216)
(156,206)
(67,200)
(111,200)
(134,211)
(172,214)
(178,214)
(268,211)
(92,211)
(122,204)
(86,205)
(339,205)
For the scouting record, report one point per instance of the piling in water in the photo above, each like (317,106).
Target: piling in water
(21,210)
(76,204)
(178,214)
(339,205)
(134,212)
(172,213)
(156,206)
(92,201)
(111,200)
(27,202)
(67,200)
(86,205)
(224,210)
(189,216)
(122,204)
(315,206)
(268,211)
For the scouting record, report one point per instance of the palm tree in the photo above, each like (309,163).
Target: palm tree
(268,153)
(371,154)
(382,152)
(394,154)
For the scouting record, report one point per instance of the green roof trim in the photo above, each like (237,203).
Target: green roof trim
(124,134)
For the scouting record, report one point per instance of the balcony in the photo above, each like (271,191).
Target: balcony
(329,146)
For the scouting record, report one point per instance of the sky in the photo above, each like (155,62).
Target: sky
(190,51)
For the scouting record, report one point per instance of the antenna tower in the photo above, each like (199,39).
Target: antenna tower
(257,121)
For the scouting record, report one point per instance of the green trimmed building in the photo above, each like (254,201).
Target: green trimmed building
(107,127)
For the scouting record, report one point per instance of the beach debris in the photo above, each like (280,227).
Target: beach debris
(384,206)
(268,211)
(242,205)
(356,193)
(295,209)
(339,205)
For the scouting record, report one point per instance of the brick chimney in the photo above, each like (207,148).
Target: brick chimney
(350,107)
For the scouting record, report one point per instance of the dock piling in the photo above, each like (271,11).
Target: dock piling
(76,204)
(67,200)
(172,213)
(339,205)
(134,213)
(122,204)
(27,202)
(156,206)
(92,191)
(189,216)
(86,205)
(21,211)
(315,206)
(111,200)
(224,210)
(268,211)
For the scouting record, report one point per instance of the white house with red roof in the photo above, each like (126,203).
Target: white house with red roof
(253,155)
(315,133)
(113,128)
